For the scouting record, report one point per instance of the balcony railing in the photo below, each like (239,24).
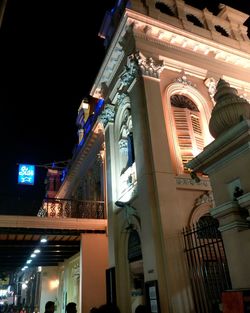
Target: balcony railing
(65,208)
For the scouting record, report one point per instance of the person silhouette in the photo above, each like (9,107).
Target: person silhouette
(50,307)
(141,308)
(108,308)
(71,307)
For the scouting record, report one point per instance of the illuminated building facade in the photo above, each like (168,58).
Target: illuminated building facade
(158,80)
(155,94)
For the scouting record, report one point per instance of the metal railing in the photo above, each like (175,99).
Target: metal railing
(65,208)
(207,264)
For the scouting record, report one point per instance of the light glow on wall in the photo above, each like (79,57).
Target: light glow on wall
(53,284)
(26,174)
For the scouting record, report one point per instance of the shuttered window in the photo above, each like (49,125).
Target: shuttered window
(188,128)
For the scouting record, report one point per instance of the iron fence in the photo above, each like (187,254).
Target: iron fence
(207,264)
(63,208)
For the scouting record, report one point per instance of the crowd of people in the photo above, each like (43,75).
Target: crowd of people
(71,307)
(105,308)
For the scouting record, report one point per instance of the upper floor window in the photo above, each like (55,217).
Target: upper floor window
(126,145)
(187,120)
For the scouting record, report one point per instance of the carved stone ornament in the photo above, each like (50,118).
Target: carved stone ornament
(138,63)
(122,98)
(107,114)
(149,66)
(123,145)
(183,80)
(229,110)
(211,83)
(130,71)
(206,197)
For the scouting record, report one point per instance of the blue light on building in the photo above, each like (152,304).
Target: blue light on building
(26,174)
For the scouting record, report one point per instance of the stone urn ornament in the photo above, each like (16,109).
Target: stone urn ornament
(229,110)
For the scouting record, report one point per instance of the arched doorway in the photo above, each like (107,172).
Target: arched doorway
(136,270)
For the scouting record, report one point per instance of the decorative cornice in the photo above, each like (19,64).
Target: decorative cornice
(107,115)
(167,35)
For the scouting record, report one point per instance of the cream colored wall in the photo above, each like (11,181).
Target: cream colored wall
(49,287)
(238,255)
(94,262)
(221,178)
(69,282)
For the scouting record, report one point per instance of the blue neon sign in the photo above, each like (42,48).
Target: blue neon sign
(26,174)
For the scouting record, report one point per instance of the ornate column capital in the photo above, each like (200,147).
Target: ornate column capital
(138,64)
(148,65)
(107,115)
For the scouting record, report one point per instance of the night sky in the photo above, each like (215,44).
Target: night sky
(50,56)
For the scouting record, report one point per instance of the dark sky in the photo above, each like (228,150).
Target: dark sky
(50,55)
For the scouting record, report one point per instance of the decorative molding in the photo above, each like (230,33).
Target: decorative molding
(191,182)
(107,115)
(206,197)
(177,38)
(184,81)
(135,25)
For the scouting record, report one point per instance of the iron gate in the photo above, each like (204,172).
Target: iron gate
(207,263)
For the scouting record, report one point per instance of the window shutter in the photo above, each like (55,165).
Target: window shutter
(188,132)
(197,132)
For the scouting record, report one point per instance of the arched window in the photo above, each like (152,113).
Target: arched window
(187,120)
